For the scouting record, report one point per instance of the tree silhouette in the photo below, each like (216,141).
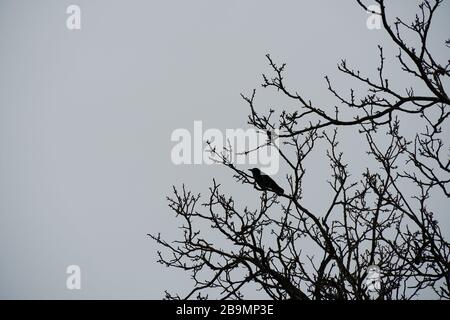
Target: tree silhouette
(371,220)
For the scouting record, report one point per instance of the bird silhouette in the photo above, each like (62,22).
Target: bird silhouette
(265,182)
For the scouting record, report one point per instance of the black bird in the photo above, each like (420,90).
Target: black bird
(265,182)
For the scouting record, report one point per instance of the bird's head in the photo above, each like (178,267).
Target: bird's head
(255,171)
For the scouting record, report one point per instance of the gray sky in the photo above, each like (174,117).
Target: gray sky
(86,118)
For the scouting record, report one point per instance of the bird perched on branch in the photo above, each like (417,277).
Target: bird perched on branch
(265,182)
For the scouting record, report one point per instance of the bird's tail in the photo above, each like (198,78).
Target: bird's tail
(279,191)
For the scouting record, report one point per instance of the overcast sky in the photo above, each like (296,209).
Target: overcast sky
(86,118)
